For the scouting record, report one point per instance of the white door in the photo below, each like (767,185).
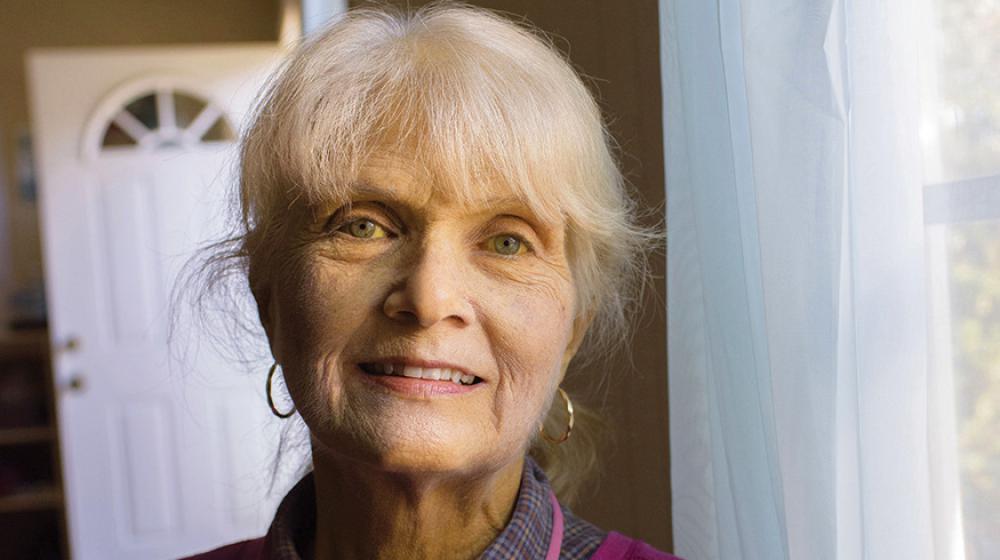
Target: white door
(135,153)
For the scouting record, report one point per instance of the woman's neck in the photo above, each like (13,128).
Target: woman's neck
(365,513)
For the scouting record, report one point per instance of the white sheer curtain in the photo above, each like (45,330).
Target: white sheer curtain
(797,301)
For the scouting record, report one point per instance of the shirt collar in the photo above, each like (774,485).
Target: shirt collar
(530,528)
(527,534)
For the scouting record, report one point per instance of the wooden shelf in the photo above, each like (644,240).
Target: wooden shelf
(20,436)
(32,500)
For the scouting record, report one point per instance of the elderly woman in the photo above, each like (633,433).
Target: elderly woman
(433,224)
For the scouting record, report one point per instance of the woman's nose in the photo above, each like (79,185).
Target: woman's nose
(433,289)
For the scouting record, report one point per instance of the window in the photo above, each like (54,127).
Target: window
(166,118)
(961,137)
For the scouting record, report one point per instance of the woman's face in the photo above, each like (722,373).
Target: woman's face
(409,282)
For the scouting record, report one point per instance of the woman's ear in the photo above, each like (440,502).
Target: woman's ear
(266,308)
(580,326)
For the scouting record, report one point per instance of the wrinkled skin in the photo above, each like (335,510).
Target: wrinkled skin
(410,475)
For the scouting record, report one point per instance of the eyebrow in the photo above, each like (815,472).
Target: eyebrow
(503,203)
(366,188)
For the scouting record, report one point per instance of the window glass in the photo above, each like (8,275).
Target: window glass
(187,108)
(961,135)
(974,278)
(115,136)
(144,109)
(966,112)
(220,131)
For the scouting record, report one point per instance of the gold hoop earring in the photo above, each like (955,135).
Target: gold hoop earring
(270,400)
(569,425)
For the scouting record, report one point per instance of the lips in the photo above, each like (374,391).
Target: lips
(428,373)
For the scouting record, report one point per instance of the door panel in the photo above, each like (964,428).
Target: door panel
(144,431)
(127,247)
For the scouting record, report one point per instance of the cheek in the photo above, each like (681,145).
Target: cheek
(321,304)
(530,328)
(319,300)
(531,321)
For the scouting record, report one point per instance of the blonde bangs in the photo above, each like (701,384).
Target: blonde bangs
(477,118)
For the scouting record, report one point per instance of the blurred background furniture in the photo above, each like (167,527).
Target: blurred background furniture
(32,510)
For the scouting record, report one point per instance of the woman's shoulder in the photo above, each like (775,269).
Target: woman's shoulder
(617,546)
(585,540)
(245,550)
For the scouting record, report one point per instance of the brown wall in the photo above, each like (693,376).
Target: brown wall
(616,45)
(26,24)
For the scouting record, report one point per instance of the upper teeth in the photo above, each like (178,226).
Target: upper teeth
(437,374)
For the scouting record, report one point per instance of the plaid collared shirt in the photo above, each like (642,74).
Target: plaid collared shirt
(526,536)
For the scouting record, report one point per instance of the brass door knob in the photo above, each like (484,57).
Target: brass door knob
(75,383)
(72,344)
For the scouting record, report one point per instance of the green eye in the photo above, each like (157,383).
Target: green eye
(365,229)
(507,245)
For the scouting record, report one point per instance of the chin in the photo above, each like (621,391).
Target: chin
(420,462)
(403,451)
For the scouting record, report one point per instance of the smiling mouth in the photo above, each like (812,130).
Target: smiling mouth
(416,372)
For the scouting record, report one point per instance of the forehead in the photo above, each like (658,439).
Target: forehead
(407,180)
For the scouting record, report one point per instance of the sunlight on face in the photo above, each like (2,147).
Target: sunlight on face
(400,279)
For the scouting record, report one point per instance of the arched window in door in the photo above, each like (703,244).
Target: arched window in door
(166,118)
